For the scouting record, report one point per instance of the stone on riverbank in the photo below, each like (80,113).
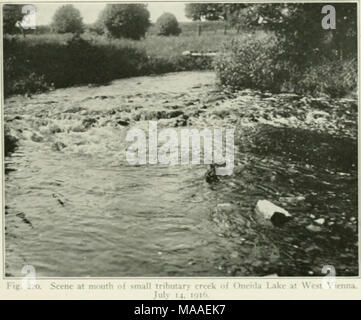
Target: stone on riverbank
(267,210)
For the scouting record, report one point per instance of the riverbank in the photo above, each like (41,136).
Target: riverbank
(298,152)
(41,62)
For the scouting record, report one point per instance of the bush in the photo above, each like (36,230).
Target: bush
(125,20)
(256,64)
(167,25)
(32,83)
(264,65)
(67,19)
(335,79)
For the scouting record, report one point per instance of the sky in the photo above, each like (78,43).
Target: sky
(90,11)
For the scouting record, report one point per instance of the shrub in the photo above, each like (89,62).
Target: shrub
(32,83)
(67,19)
(167,25)
(264,65)
(256,64)
(335,79)
(125,20)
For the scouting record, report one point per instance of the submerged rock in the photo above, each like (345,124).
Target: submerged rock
(88,122)
(225,207)
(123,122)
(10,141)
(58,146)
(320,221)
(292,200)
(228,216)
(36,137)
(211,176)
(313,228)
(54,128)
(175,114)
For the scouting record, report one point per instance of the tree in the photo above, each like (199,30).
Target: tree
(199,11)
(227,12)
(11,15)
(125,20)
(236,14)
(298,27)
(207,11)
(167,25)
(67,19)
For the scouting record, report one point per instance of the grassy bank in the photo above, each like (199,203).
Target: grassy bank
(248,60)
(41,61)
(38,62)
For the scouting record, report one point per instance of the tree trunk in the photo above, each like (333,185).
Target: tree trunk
(199,28)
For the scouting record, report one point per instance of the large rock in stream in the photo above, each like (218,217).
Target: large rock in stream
(267,210)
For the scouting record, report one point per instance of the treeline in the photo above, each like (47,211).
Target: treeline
(297,55)
(132,20)
(115,21)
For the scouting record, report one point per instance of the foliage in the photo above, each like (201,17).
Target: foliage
(167,25)
(256,64)
(262,64)
(62,60)
(335,79)
(302,57)
(212,11)
(67,19)
(125,20)
(298,27)
(199,11)
(11,15)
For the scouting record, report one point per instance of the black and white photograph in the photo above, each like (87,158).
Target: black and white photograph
(180,139)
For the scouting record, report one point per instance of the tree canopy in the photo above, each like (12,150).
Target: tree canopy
(298,26)
(125,20)
(67,19)
(167,25)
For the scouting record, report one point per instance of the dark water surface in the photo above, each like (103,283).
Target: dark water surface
(75,207)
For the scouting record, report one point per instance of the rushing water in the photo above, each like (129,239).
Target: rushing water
(75,207)
(84,213)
